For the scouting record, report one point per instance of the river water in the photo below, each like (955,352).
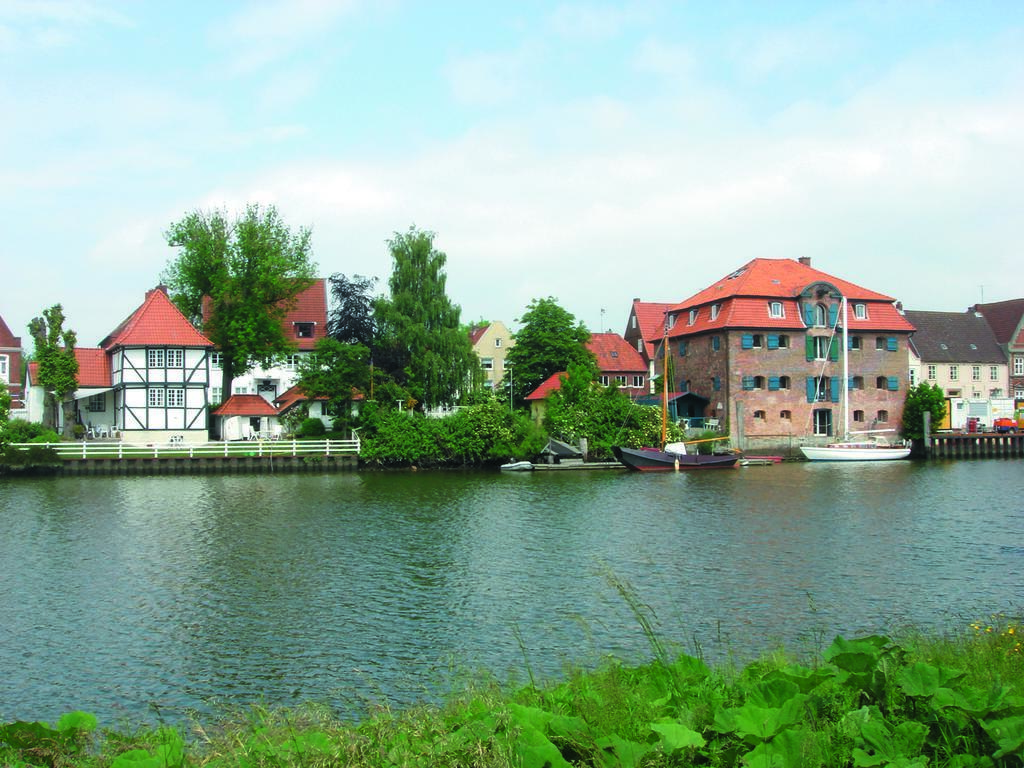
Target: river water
(146,598)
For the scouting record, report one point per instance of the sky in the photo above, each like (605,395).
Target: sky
(594,152)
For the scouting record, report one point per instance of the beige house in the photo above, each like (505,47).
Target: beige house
(491,342)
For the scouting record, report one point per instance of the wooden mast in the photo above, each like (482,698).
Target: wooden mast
(664,386)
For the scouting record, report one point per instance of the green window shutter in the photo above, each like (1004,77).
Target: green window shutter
(716,343)
(717,383)
(891,344)
(833,315)
(773,341)
(748,341)
(810,389)
(810,347)
(748,382)
(894,383)
(833,349)
(773,383)
(834,387)
(808,315)
(682,348)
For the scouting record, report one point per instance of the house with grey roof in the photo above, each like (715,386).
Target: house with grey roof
(958,351)
(1006,319)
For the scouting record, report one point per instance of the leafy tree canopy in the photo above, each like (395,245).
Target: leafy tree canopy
(550,340)
(334,370)
(351,319)
(57,366)
(249,270)
(421,344)
(924,398)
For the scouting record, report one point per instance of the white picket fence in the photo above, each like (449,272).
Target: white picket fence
(239,448)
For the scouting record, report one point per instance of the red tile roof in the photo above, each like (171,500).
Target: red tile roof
(615,355)
(246,405)
(743,298)
(310,306)
(549,385)
(8,339)
(476,332)
(157,323)
(93,367)
(650,320)
(293,396)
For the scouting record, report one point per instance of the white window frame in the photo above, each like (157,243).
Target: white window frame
(155,358)
(693,316)
(216,359)
(860,311)
(776,309)
(487,363)
(155,397)
(497,342)
(933,373)
(975,373)
(954,373)
(1018,365)
(175,358)
(5,367)
(638,381)
(715,308)
(821,345)
(96,403)
(993,373)
(175,397)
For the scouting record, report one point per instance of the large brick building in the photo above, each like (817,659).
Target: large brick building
(762,345)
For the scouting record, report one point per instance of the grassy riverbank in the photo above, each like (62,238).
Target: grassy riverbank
(874,701)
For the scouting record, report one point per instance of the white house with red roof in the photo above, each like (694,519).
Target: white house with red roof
(305,325)
(10,365)
(762,346)
(148,381)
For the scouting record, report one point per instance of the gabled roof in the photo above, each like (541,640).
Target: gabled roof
(549,385)
(246,405)
(614,354)
(8,339)
(742,299)
(309,307)
(1004,318)
(293,396)
(476,332)
(954,337)
(650,318)
(157,323)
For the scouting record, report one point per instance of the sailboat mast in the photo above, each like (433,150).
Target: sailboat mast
(846,375)
(664,387)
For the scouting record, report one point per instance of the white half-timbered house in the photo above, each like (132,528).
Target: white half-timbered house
(159,374)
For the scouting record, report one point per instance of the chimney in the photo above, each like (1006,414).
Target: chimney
(805,260)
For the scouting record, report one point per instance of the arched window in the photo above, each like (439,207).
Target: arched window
(821,315)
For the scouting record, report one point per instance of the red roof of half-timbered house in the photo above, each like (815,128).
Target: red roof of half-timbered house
(156,323)
(246,405)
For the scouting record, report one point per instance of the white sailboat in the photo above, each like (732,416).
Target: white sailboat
(870,447)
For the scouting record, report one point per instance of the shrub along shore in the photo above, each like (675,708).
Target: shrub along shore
(873,701)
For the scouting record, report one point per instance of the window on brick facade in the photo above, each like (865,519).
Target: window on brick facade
(1018,365)
(760,415)
(858,416)
(883,417)
(856,343)
(785,415)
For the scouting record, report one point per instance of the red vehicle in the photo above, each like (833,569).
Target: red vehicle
(1005,425)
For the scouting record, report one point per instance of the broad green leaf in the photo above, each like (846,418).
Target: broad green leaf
(81,721)
(617,752)
(805,679)
(535,750)
(1008,733)
(530,717)
(921,679)
(773,693)
(792,748)
(676,737)
(857,656)
(136,758)
(753,723)
(971,761)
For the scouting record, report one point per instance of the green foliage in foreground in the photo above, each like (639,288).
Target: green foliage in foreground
(867,702)
(475,435)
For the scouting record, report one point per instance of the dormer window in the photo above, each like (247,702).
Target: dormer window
(614,354)
(693,316)
(860,311)
(304,330)
(776,309)
(714,311)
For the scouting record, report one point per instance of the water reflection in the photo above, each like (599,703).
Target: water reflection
(184,592)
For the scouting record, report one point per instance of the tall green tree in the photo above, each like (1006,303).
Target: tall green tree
(351,318)
(248,271)
(57,366)
(5,412)
(420,342)
(550,340)
(923,398)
